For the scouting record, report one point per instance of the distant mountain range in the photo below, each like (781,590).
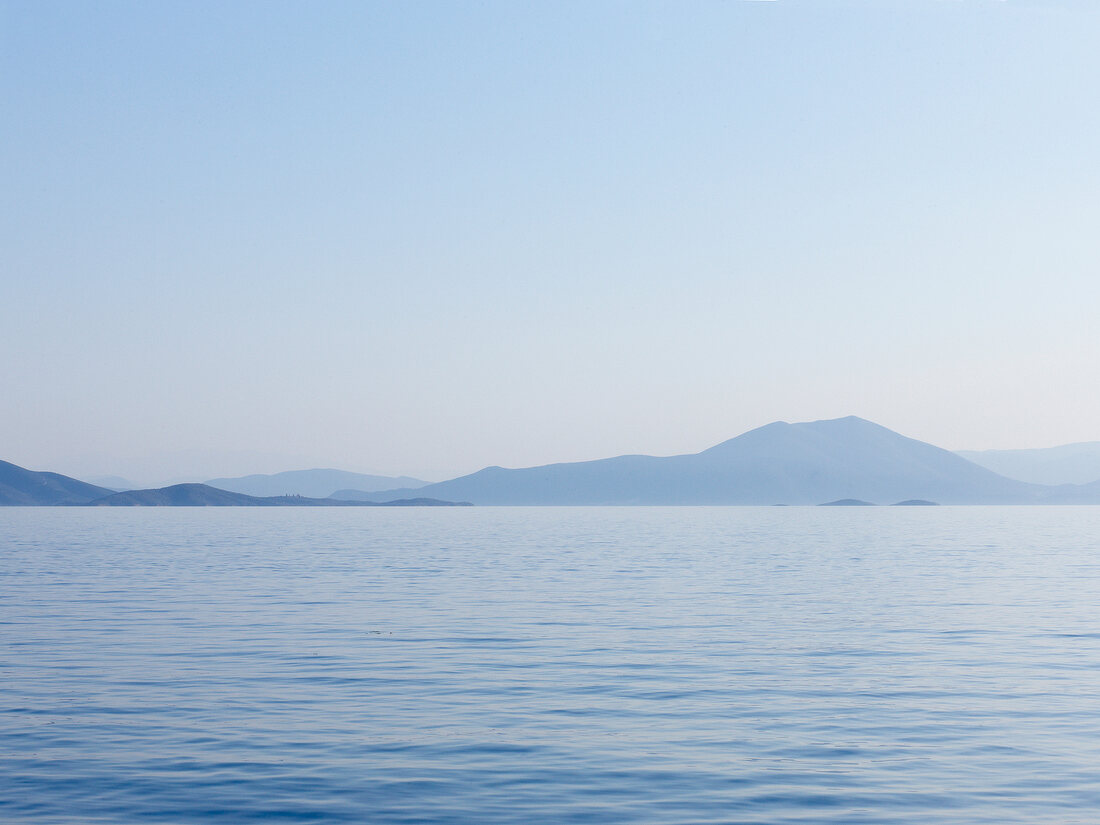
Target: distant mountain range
(841,461)
(19,486)
(1067,464)
(312,483)
(203,495)
(781,463)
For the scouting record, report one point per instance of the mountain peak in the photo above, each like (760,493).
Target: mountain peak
(846,422)
(786,432)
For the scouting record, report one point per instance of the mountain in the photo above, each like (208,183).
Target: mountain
(312,483)
(203,495)
(1067,464)
(178,495)
(116,483)
(1072,494)
(780,463)
(813,462)
(27,487)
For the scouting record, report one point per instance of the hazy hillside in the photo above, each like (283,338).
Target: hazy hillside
(178,495)
(312,483)
(781,463)
(203,495)
(817,462)
(19,486)
(1067,464)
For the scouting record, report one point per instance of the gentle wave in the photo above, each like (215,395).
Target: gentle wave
(559,665)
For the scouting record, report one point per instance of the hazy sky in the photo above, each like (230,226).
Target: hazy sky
(426,237)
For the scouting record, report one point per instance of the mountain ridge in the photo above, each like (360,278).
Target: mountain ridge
(803,463)
(1077,463)
(22,487)
(778,463)
(203,495)
(314,483)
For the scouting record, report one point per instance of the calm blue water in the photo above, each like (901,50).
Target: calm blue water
(557,665)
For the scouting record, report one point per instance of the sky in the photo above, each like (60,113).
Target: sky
(423,238)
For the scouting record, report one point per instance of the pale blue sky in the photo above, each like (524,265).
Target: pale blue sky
(425,237)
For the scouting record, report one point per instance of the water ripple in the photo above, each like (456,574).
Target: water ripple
(565,665)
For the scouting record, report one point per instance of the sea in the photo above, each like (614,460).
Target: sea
(550,665)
